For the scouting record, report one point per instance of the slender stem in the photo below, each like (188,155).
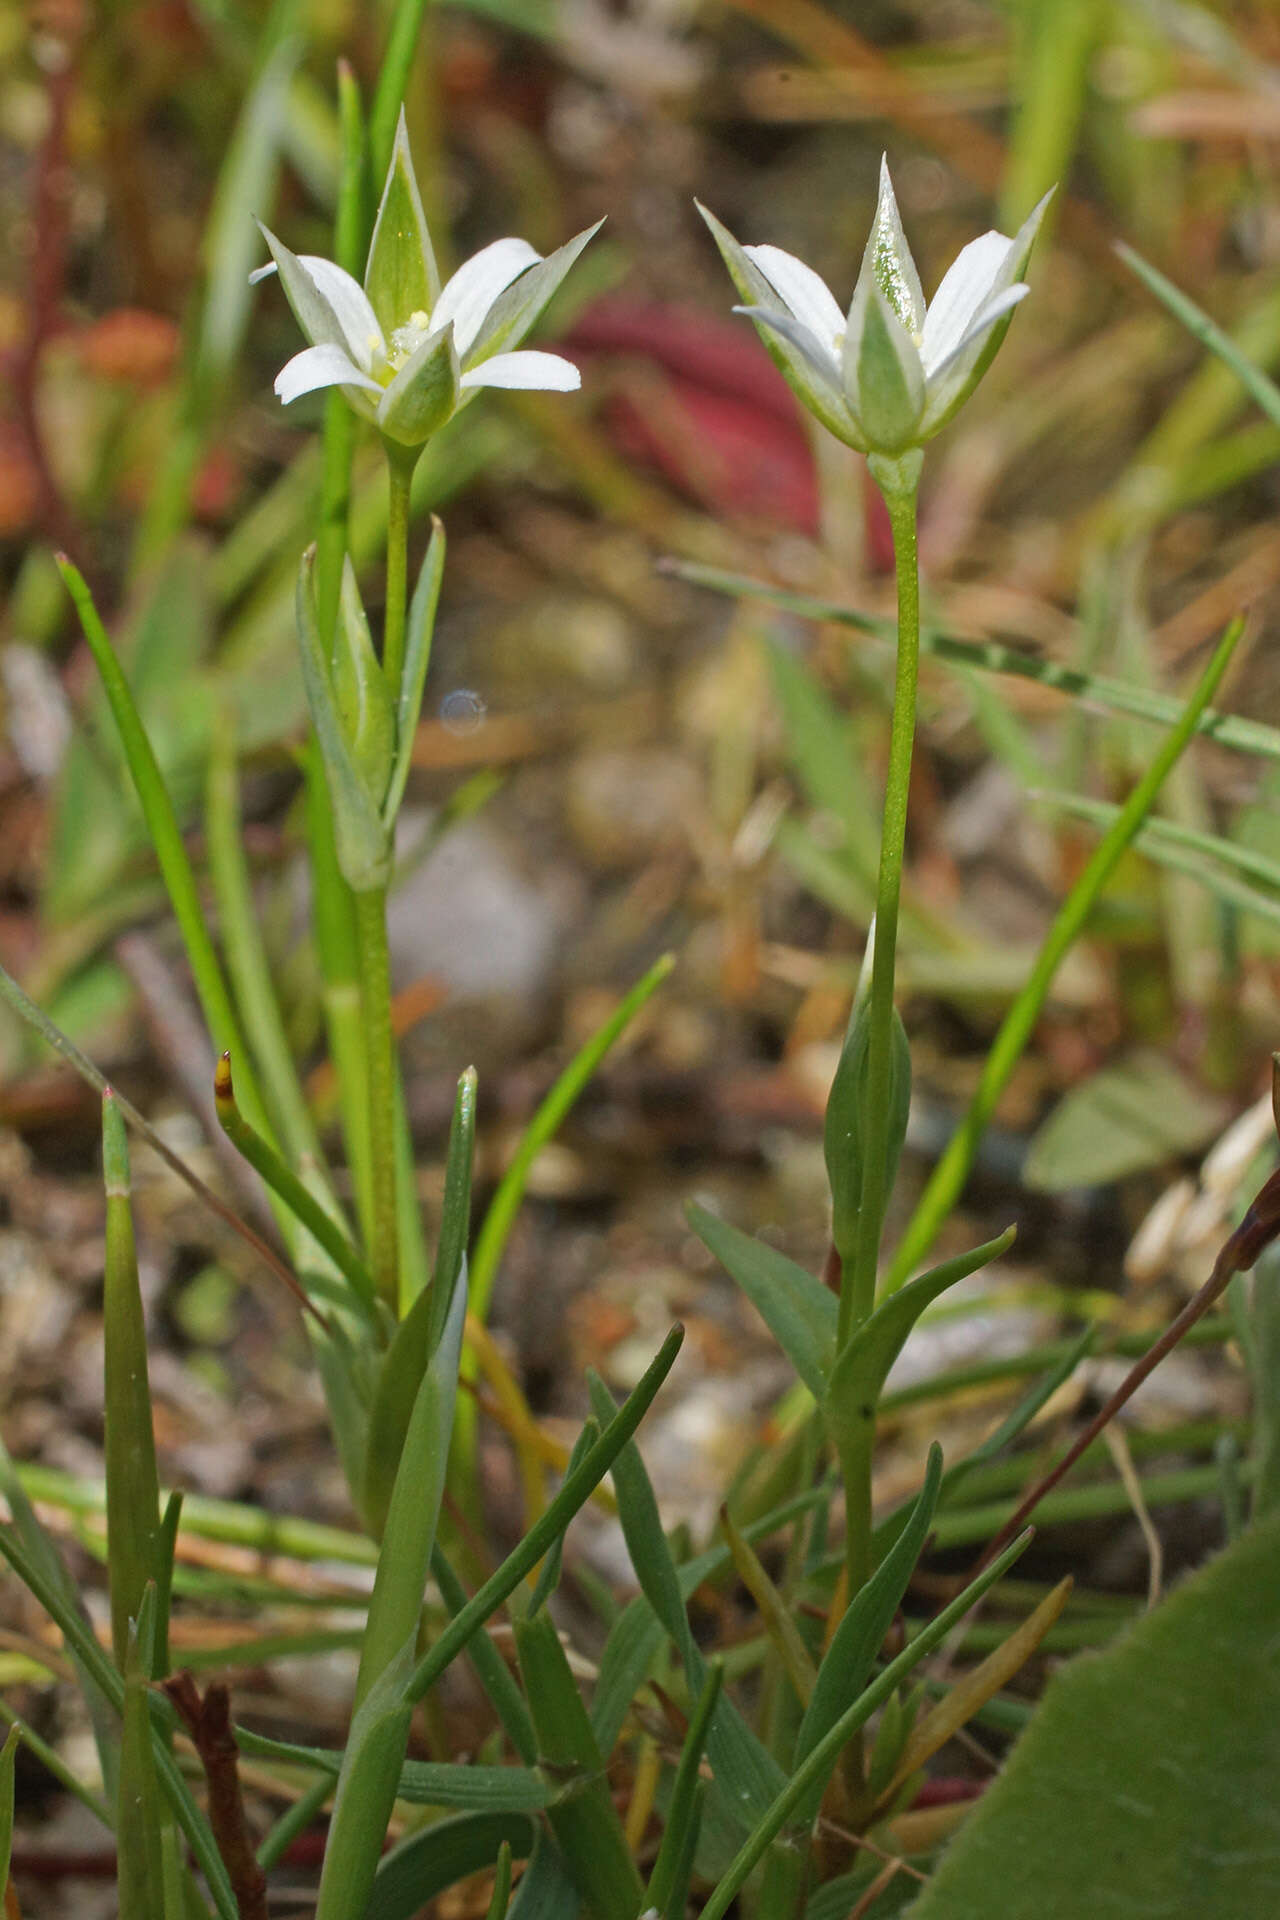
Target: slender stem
(375,994)
(400,465)
(858,1294)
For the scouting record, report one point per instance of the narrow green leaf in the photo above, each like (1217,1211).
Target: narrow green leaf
(501,1884)
(989,656)
(361,694)
(684,1809)
(546,1890)
(8,1758)
(798,1310)
(576,1490)
(362,1804)
(104,1677)
(323,1228)
(490,1667)
(746,1774)
(822,1757)
(246,956)
(375,1754)
(164,833)
(437,1857)
(1255,382)
(139,1869)
(846,1132)
(417,658)
(948,1178)
(546,1122)
(363,848)
(133,1485)
(395,1607)
(582,1814)
(860,1636)
(858,1377)
(418,1334)
(549,1576)
(424,1783)
(455,1211)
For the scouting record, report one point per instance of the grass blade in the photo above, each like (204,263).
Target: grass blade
(247,960)
(133,1484)
(948,1178)
(1112,696)
(1197,323)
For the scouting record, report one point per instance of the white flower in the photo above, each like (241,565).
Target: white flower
(889,374)
(406,351)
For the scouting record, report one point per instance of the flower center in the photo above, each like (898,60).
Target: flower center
(406,340)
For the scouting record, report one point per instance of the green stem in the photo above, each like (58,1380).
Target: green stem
(375,995)
(857,1297)
(400,465)
(898,481)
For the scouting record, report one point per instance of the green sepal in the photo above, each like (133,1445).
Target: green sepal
(883,373)
(888,262)
(362,843)
(521,305)
(313,313)
(360,689)
(845,1131)
(822,399)
(400,276)
(420,631)
(424,393)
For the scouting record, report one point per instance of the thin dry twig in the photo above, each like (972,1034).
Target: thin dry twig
(208,1721)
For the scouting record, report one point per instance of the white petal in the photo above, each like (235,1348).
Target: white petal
(260,274)
(968,281)
(806,293)
(323,366)
(351,309)
(526,369)
(467,297)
